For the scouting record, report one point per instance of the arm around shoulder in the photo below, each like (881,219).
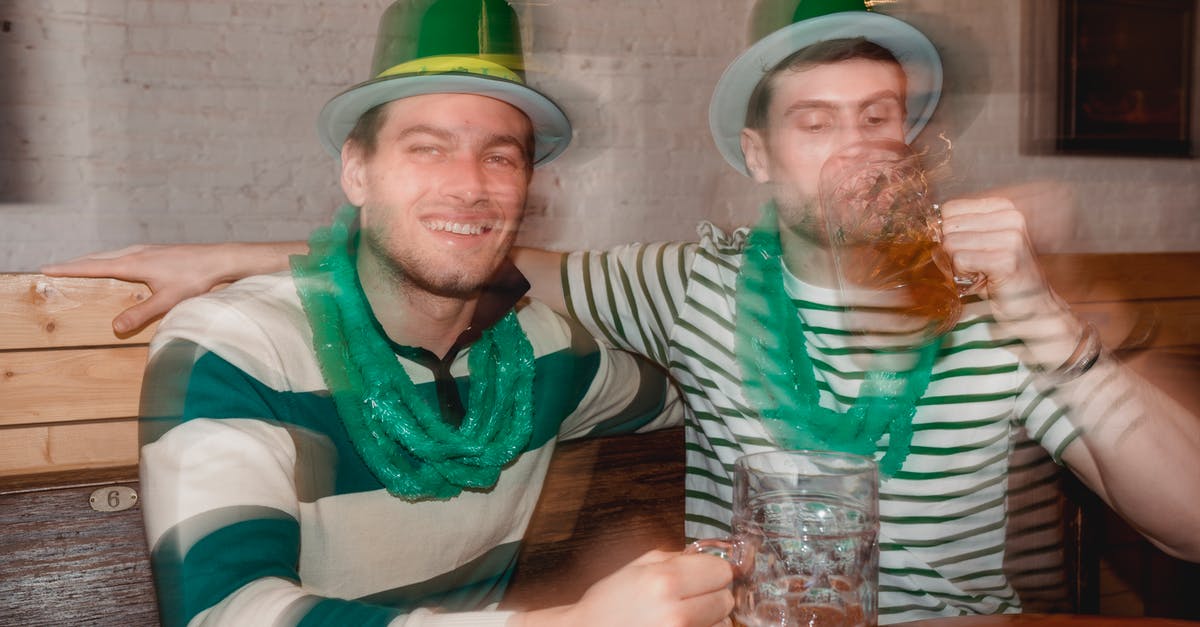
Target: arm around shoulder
(543,270)
(177,272)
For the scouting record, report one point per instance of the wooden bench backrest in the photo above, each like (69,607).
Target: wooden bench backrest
(70,387)
(1155,297)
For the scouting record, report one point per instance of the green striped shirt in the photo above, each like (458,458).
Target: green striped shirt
(943,516)
(260,512)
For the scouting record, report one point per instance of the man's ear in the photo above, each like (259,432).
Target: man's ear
(754,147)
(354,174)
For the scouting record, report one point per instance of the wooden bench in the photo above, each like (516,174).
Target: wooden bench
(68,429)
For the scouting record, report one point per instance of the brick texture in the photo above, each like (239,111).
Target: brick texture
(125,121)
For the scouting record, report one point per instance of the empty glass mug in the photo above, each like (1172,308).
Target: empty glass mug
(804,540)
(885,237)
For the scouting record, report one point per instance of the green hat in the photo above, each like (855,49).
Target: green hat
(448,47)
(814,21)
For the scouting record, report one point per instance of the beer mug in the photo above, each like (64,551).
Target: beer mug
(804,541)
(885,238)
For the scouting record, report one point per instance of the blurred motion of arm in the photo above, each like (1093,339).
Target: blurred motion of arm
(1139,450)
(1128,441)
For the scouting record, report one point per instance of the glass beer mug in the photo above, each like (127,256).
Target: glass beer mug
(885,238)
(804,540)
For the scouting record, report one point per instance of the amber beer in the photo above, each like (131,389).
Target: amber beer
(912,286)
(800,614)
(811,616)
(885,235)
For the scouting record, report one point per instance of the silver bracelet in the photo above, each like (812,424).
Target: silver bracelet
(1086,354)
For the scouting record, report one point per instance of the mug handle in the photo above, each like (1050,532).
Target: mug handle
(728,549)
(717,547)
(969,283)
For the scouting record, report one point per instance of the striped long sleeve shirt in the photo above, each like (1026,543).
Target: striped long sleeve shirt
(259,511)
(943,515)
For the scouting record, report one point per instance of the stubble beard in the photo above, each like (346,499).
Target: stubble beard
(416,275)
(801,217)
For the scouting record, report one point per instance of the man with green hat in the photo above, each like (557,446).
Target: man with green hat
(363,440)
(755,329)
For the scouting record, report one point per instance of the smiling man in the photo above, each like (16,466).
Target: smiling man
(753,325)
(362,441)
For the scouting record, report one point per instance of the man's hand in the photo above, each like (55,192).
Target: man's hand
(658,589)
(988,236)
(175,272)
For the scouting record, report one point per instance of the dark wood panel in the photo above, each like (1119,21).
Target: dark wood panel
(67,479)
(605,502)
(1092,277)
(63,563)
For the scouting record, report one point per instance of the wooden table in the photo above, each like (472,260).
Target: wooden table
(1052,620)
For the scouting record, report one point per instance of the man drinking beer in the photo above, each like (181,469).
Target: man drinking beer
(756,327)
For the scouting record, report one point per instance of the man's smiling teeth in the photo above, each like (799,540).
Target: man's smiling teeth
(457,228)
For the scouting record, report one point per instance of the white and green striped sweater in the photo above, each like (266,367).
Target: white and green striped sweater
(942,538)
(259,511)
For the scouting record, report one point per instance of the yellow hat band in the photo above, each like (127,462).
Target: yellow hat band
(450,63)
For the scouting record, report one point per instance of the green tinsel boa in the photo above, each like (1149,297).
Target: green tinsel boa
(778,376)
(399,436)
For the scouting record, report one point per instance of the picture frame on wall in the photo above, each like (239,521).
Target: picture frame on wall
(1111,77)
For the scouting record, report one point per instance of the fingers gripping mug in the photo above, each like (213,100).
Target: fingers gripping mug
(804,540)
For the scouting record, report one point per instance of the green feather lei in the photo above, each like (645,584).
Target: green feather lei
(778,376)
(399,436)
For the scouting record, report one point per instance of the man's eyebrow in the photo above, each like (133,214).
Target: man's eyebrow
(883,94)
(425,129)
(446,135)
(816,103)
(504,140)
(804,105)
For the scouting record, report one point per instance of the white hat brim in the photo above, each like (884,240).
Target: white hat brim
(551,128)
(914,51)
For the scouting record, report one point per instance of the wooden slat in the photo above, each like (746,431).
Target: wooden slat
(1096,277)
(70,385)
(40,311)
(51,448)
(60,479)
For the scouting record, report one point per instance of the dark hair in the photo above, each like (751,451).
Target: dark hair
(820,53)
(366,129)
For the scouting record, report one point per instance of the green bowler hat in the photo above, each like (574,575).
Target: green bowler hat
(814,21)
(448,47)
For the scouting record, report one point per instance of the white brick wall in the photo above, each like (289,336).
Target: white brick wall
(191,120)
